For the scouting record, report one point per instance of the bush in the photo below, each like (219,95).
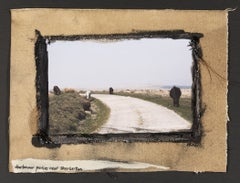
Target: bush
(86,105)
(69,90)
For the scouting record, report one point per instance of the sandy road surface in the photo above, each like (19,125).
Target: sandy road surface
(132,115)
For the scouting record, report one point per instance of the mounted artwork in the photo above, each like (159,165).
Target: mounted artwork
(140,95)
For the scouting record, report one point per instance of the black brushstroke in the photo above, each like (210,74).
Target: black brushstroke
(41,60)
(122,137)
(173,34)
(197,55)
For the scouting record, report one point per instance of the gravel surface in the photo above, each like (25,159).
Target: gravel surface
(132,115)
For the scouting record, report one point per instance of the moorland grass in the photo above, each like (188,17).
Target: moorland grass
(67,116)
(184,110)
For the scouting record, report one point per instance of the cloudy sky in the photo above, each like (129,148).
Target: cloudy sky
(145,63)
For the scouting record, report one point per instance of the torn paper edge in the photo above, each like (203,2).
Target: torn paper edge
(75,166)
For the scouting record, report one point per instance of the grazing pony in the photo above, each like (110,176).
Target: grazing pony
(87,94)
(175,94)
(110,90)
(56,90)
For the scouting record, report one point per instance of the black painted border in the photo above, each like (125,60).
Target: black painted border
(192,137)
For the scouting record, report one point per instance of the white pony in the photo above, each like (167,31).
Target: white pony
(87,94)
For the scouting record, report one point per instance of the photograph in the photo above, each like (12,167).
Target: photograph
(119,86)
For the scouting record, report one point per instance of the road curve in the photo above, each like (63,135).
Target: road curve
(132,115)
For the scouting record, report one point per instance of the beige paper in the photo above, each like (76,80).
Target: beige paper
(211,155)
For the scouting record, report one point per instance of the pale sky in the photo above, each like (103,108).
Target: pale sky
(144,63)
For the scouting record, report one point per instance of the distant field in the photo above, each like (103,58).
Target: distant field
(185,103)
(67,116)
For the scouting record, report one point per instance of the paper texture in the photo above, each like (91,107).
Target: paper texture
(211,155)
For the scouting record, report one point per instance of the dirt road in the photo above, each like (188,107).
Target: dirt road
(132,115)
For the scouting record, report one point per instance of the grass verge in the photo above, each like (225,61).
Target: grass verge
(67,116)
(100,115)
(184,110)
